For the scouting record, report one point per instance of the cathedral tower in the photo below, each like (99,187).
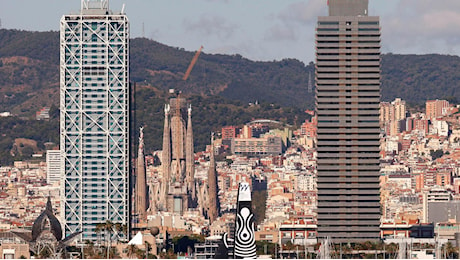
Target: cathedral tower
(213,202)
(177,187)
(141,197)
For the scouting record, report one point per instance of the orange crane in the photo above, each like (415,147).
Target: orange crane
(192,63)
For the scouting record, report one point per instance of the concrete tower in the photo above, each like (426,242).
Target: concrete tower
(141,203)
(213,202)
(177,189)
(347,105)
(94,116)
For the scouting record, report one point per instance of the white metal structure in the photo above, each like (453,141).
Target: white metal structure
(94,96)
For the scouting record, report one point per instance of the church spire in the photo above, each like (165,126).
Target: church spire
(141,197)
(190,156)
(213,206)
(166,157)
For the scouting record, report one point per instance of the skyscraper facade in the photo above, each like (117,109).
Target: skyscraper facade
(347,106)
(94,87)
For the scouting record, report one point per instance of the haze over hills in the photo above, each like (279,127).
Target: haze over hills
(219,87)
(34,80)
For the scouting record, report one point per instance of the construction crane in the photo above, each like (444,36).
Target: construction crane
(192,63)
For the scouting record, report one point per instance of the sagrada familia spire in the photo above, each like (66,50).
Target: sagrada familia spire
(141,195)
(177,190)
(213,202)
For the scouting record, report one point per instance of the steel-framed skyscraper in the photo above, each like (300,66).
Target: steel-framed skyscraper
(94,98)
(347,106)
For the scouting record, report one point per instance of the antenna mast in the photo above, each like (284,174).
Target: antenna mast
(95,4)
(143,30)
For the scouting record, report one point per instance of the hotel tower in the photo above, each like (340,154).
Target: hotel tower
(94,98)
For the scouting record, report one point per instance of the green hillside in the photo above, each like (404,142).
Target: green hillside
(414,78)
(417,78)
(219,87)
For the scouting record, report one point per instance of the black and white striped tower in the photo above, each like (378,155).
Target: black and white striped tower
(245,243)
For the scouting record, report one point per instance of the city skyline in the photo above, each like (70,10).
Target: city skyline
(359,172)
(268,30)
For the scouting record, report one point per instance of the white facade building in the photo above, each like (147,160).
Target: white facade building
(306,182)
(53,166)
(94,87)
(440,127)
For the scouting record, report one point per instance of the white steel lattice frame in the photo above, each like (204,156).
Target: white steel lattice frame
(94,121)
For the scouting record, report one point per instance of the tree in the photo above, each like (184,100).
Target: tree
(98,230)
(450,250)
(436,154)
(109,228)
(392,250)
(119,228)
(90,252)
(183,243)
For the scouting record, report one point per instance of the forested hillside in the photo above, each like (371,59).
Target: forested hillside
(417,78)
(219,87)
(31,72)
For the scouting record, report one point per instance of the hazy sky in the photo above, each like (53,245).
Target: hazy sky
(256,29)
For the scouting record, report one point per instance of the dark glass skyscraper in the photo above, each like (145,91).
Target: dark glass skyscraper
(347,105)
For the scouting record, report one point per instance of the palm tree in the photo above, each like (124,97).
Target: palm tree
(99,228)
(450,250)
(124,230)
(108,227)
(118,228)
(392,250)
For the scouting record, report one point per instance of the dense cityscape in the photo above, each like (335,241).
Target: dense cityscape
(360,178)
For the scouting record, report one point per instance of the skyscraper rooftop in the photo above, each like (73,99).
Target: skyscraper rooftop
(348,7)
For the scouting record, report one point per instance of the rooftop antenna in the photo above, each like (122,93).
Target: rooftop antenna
(0,23)
(95,4)
(84,5)
(123,9)
(143,30)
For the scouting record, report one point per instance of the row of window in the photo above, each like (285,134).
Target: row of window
(348,23)
(322,29)
(338,103)
(349,115)
(348,54)
(99,45)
